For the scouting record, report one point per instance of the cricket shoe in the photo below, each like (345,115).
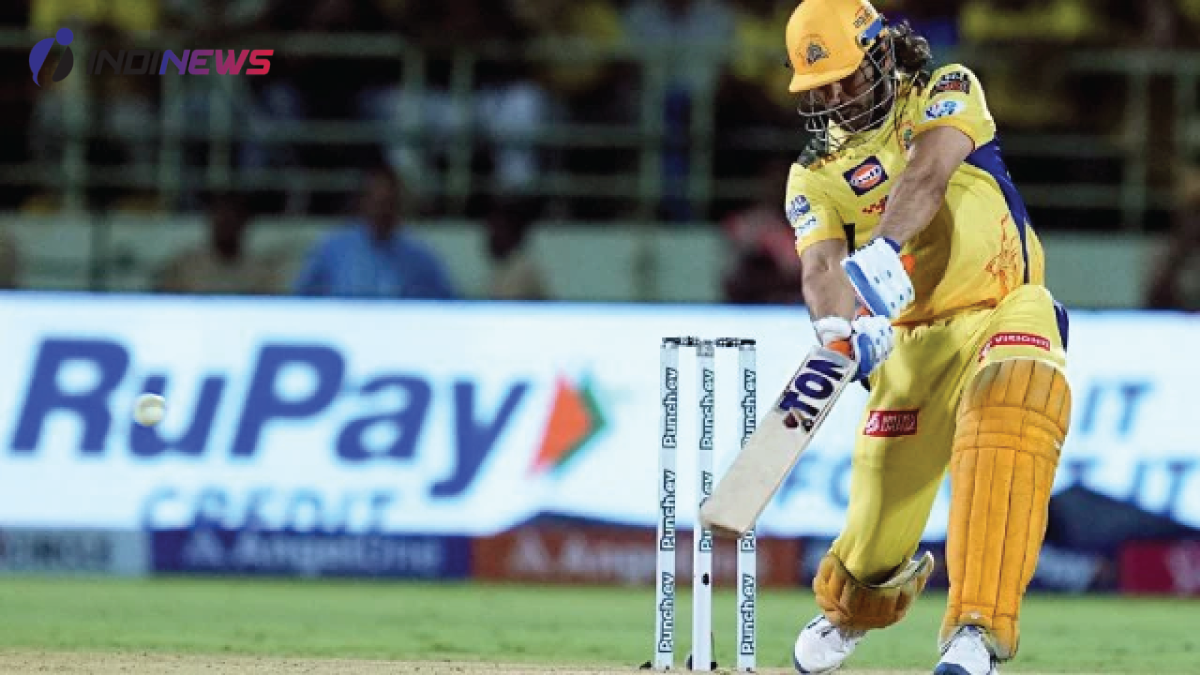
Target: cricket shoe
(822,647)
(966,653)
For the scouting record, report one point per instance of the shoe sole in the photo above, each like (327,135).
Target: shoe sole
(800,669)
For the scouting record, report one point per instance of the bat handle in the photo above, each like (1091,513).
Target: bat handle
(842,347)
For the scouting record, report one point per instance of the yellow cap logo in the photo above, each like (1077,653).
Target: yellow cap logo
(816,50)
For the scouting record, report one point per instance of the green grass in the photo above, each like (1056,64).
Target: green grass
(585,626)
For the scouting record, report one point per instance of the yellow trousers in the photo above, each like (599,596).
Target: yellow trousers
(903,445)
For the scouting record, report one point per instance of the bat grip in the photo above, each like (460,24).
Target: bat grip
(842,347)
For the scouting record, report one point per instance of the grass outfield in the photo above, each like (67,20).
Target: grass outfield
(147,625)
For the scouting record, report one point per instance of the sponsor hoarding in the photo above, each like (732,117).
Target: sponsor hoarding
(73,551)
(599,555)
(1161,568)
(469,419)
(309,554)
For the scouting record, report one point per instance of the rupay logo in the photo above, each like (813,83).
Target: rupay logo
(473,430)
(575,419)
(37,57)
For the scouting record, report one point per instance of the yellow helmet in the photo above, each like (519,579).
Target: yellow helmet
(828,40)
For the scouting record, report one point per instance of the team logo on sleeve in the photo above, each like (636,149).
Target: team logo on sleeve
(866,176)
(798,208)
(954,82)
(805,225)
(944,109)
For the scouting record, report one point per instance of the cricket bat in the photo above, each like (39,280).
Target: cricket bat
(777,443)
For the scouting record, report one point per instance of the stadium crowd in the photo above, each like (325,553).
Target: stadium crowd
(729,49)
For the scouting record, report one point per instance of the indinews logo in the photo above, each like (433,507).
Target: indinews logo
(146,62)
(37,57)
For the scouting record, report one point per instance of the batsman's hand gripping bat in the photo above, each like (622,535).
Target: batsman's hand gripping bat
(778,442)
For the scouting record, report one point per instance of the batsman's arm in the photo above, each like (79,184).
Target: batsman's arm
(827,290)
(921,189)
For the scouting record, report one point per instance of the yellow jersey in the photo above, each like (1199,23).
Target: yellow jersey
(979,246)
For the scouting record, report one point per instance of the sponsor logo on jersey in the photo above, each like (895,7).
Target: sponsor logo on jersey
(891,423)
(876,209)
(866,176)
(944,109)
(798,208)
(956,82)
(1014,340)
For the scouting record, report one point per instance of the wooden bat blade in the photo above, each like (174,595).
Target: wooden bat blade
(777,443)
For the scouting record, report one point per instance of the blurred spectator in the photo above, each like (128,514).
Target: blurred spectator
(695,35)
(1022,91)
(515,274)
(221,265)
(330,83)
(581,82)
(1174,282)
(1031,21)
(258,106)
(215,19)
(756,59)
(503,108)
(585,84)
(753,92)
(1153,24)
(1033,89)
(373,256)
(763,266)
(47,16)
(1189,25)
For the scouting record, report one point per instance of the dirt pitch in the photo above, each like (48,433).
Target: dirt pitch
(171,664)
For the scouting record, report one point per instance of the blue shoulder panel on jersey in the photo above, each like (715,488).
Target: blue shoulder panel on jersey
(1064,323)
(987,158)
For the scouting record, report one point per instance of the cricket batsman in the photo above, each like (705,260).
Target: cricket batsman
(919,258)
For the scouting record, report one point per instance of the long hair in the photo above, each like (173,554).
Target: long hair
(913,54)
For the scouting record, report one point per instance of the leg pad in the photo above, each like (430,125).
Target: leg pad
(853,605)
(1011,425)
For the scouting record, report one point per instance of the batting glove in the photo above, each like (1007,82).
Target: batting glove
(869,339)
(879,278)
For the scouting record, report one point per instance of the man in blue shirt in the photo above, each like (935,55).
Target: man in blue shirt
(373,257)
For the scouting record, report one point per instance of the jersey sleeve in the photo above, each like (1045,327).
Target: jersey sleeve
(810,213)
(954,98)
